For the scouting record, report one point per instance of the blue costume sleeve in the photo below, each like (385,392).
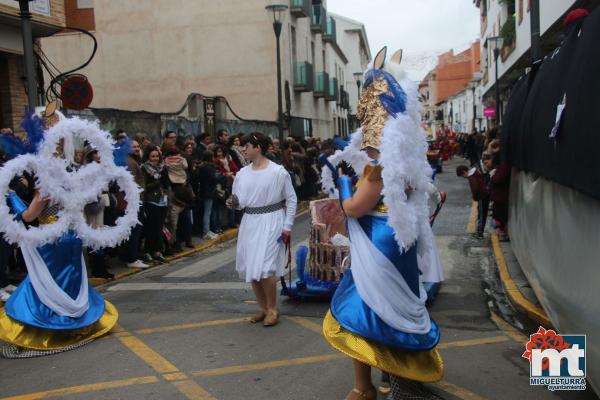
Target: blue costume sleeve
(345,188)
(17,205)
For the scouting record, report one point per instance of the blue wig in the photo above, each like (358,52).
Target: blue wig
(394,102)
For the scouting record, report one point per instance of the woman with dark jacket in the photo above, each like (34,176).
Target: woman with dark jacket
(155,200)
(185,223)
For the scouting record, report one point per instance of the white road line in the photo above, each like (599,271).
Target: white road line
(120,287)
(217,261)
(206,265)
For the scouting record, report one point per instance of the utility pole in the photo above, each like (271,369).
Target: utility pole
(536,51)
(25,15)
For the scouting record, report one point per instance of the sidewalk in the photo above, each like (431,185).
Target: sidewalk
(120,269)
(516,285)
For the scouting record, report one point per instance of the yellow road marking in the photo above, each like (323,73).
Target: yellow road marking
(84,388)
(192,390)
(508,329)
(457,391)
(175,376)
(268,365)
(472,225)
(534,312)
(472,342)
(305,323)
(190,325)
(149,356)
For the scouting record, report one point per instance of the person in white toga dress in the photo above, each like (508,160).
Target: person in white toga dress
(264,191)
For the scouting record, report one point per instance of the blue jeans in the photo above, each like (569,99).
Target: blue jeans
(208,204)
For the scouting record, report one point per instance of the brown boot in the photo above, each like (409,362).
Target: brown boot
(272,318)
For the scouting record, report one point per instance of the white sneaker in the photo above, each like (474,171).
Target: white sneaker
(210,236)
(138,264)
(4,295)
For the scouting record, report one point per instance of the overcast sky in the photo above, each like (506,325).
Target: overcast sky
(423,28)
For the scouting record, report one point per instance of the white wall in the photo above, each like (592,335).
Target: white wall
(550,12)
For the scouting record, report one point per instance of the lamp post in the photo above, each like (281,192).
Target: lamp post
(497,42)
(278,14)
(473,84)
(535,31)
(358,78)
(25,15)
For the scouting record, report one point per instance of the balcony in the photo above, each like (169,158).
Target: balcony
(321,85)
(330,32)
(318,23)
(344,99)
(303,77)
(333,94)
(301,8)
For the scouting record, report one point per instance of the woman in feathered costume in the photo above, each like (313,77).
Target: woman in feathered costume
(378,315)
(54,309)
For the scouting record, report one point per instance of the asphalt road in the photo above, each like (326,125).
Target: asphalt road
(182,334)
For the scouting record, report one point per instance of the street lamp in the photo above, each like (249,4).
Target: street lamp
(358,78)
(278,11)
(28,52)
(497,42)
(473,85)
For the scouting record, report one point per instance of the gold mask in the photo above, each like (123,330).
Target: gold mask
(371,113)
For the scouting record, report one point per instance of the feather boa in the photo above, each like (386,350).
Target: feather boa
(71,190)
(404,160)
(352,155)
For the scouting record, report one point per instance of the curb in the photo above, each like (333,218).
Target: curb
(534,312)
(228,235)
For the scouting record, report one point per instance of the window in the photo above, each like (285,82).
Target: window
(294,55)
(312,54)
(85,4)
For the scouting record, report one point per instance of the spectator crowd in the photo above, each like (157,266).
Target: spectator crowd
(489,180)
(185,182)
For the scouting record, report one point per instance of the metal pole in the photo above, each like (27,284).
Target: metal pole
(277,29)
(356,123)
(535,31)
(498,119)
(28,53)
(474,109)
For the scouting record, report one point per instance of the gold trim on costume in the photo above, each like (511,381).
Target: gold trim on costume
(47,220)
(32,337)
(422,366)
(371,113)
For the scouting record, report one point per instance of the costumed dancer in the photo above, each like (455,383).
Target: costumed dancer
(54,309)
(378,315)
(264,191)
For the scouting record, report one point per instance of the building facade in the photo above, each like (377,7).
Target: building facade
(510,20)
(451,79)
(152,55)
(48,17)
(352,39)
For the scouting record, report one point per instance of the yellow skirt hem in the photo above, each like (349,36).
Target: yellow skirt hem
(425,366)
(31,337)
